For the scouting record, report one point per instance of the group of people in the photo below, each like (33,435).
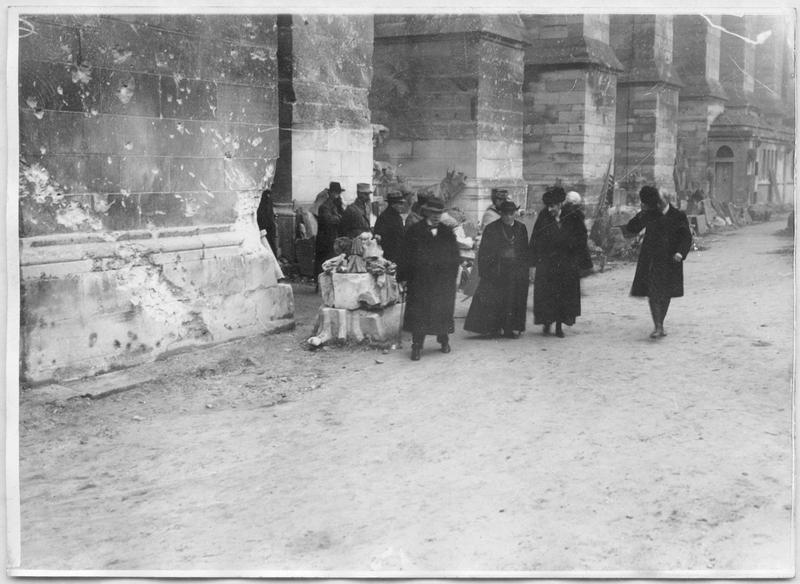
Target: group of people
(557,251)
(334,220)
(426,251)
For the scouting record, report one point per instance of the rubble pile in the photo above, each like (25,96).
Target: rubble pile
(360,294)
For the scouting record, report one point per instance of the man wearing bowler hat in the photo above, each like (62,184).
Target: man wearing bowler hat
(329,215)
(429,266)
(357,218)
(666,243)
(389,226)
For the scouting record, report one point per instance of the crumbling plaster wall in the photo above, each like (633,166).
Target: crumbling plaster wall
(144,144)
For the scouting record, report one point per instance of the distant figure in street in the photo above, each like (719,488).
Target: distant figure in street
(501,298)
(557,246)
(265,217)
(329,215)
(389,227)
(573,205)
(429,267)
(492,212)
(667,241)
(357,218)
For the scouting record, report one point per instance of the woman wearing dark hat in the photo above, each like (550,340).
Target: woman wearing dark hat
(389,226)
(429,266)
(556,250)
(501,298)
(667,241)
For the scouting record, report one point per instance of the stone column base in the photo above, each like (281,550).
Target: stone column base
(339,324)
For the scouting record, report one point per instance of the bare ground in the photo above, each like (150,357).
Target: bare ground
(602,451)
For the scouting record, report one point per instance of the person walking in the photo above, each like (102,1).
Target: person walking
(666,243)
(556,248)
(357,218)
(428,268)
(389,226)
(329,214)
(502,295)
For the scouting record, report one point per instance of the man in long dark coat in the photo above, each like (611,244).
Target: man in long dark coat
(265,217)
(429,267)
(357,218)
(666,243)
(502,294)
(556,248)
(329,215)
(389,227)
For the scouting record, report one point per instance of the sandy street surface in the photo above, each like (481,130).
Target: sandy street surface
(601,451)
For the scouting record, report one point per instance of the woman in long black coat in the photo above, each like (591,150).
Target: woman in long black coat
(557,246)
(502,294)
(429,266)
(666,243)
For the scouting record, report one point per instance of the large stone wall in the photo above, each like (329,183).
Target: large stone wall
(647,101)
(449,90)
(144,144)
(331,121)
(702,98)
(570,102)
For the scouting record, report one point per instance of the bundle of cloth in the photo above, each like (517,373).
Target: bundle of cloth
(359,255)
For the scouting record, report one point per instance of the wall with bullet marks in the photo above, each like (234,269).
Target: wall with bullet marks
(145,142)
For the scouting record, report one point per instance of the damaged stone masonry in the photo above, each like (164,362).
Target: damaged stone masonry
(146,140)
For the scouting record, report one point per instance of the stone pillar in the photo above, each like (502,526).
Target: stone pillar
(570,103)
(449,90)
(702,99)
(778,140)
(145,142)
(326,68)
(647,101)
(736,131)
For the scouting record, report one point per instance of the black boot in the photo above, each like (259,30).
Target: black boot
(416,352)
(559,331)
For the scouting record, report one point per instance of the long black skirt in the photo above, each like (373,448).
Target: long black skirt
(499,303)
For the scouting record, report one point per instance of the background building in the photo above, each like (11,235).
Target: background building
(145,142)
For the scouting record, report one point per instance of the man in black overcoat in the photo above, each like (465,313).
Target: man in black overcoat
(557,246)
(429,267)
(390,228)
(501,298)
(265,217)
(329,215)
(666,243)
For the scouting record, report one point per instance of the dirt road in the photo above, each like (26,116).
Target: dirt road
(602,451)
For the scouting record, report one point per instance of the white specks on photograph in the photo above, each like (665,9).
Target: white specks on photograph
(121,55)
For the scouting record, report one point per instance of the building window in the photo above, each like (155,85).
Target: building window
(724,152)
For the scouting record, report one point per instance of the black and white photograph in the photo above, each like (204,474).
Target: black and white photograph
(390,292)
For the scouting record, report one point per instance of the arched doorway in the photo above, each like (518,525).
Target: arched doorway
(723,174)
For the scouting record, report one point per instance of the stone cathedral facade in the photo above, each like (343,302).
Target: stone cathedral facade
(145,141)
